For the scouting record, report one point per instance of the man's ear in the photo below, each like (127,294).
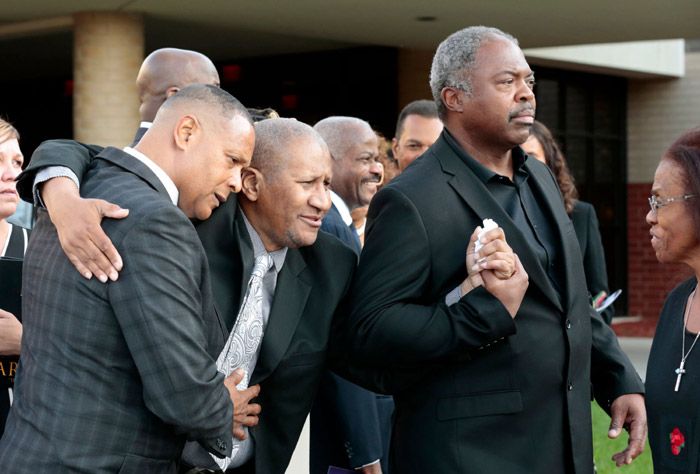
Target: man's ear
(251,180)
(186,129)
(453,99)
(170,91)
(395,145)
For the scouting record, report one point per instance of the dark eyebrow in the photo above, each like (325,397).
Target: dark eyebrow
(512,72)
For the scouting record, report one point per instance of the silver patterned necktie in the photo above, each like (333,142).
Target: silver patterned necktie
(244,340)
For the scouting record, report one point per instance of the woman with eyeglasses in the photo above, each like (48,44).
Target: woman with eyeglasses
(673,371)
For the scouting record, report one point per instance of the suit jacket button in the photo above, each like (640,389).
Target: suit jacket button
(571,386)
(568,324)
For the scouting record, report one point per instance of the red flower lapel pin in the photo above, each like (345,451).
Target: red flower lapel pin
(677,441)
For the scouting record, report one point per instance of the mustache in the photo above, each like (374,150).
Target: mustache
(525,108)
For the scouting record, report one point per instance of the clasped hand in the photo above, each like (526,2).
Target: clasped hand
(497,268)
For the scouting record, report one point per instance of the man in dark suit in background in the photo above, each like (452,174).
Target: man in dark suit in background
(116,377)
(285,196)
(164,72)
(417,127)
(499,386)
(350,426)
(356,173)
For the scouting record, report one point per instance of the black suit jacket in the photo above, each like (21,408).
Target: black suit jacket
(479,391)
(306,313)
(118,375)
(586,227)
(334,224)
(350,426)
(140,132)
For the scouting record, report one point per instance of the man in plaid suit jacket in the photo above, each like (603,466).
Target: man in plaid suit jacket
(116,377)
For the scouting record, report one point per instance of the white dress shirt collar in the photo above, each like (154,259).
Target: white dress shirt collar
(158,171)
(278,256)
(343,208)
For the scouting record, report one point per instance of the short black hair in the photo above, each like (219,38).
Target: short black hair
(213,96)
(424,108)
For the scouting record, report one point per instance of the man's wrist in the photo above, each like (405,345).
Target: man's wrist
(465,287)
(48,174)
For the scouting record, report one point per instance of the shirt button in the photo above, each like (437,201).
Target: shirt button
(568,324)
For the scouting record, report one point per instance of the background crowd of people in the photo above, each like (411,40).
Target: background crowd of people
(189,300)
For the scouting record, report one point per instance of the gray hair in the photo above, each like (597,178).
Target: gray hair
(454,60)
(339,132)
(273,138)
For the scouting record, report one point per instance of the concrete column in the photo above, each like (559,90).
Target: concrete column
(107,53)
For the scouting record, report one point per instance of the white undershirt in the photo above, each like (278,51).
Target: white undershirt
(3,249)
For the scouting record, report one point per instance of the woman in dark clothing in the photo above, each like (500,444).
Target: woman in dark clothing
(673,371)
(542,146)
(13,242)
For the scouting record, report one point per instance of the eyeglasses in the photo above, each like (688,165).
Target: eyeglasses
(657,203)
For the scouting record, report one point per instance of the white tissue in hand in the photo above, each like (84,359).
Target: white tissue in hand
(488,225)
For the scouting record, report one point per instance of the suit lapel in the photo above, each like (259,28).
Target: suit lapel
(291,293)
(475,194)
(245,247)
(570,249)
(132,165)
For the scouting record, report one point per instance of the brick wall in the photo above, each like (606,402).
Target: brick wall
(658,112)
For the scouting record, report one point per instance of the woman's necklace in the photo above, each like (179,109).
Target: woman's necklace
(681,368)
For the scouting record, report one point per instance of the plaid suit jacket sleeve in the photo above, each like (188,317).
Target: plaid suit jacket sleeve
(160,306)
